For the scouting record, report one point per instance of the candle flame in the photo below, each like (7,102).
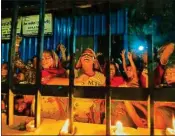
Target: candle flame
(65,127)
(171,131)
(119,128)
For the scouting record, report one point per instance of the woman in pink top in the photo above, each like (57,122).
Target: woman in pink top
(115,80)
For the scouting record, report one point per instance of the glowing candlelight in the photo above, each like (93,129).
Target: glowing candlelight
(65,127)
(30,126)
(171,131)
(119,128)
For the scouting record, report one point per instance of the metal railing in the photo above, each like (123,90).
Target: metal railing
(150,94)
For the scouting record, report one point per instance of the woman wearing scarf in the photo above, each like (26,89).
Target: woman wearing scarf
(51,66)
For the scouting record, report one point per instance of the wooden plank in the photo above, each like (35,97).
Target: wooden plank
(38,109)
(140,94)
(149,111)
(160,94)
(4,88)
(108,92)
(90,92)
(40,48)
(164,94)
(11,65)
(25,89)
(53,90)
(10,118)
(151,81)
(71,73)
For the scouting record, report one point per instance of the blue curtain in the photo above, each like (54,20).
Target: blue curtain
(89,25)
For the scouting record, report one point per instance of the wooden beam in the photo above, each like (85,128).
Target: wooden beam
(10,104)
(38,71)
(108,92)
(150,84)
(71,75)
(10,117)
(37,109)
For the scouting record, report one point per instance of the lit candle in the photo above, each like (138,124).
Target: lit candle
(171,131)
(118,130)
(65,128)
(30,126)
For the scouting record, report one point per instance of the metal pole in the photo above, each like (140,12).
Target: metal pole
(108,93)
(38,71)
(151,85)
(11,65)
(71,75)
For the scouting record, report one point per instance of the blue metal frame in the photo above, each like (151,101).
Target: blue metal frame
(89,25)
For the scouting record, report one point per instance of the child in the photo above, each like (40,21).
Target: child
(130,70)
(21,107)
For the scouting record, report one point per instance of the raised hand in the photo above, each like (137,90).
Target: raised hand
(129,55)
(123,53)
(61,48)
(99,54)
(18,40)
(17,44)
(165,52)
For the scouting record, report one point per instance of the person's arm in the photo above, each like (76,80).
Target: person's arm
(132,64)
(58,81)
(123,60)
(133,114)
(18,61)
(165,53)
(62,50)
(65,81)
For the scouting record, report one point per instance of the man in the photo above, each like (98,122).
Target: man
(21,107)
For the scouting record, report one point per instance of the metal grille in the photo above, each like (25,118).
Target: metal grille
(150,94)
